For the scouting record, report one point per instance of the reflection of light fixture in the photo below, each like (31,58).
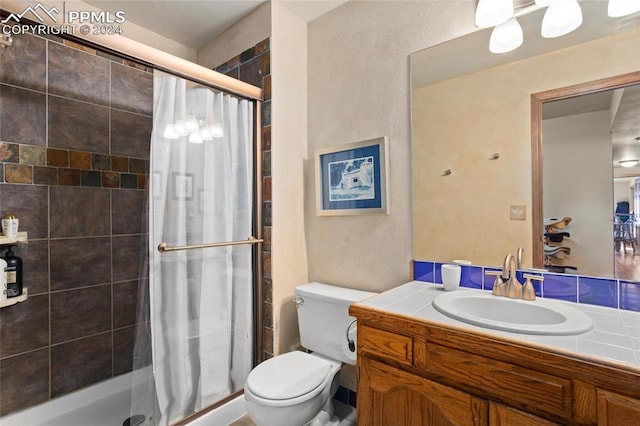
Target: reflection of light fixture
(618,8)
(561,18)
(629,163)
(490,13)
(506,37)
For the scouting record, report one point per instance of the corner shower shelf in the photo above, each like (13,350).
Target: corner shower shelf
(20,238)
(13,300)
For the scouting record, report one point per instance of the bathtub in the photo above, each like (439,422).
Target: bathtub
(107,404)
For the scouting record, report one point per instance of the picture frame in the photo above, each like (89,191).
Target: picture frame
(351,179)
(182,186)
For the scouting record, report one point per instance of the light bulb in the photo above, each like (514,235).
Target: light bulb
(506,37)
(490,13)
(561,18)
(195,137)
(170,132)
(629,163)
(216,131)
(619,8)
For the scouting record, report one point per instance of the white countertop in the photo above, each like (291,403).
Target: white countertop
(614,337)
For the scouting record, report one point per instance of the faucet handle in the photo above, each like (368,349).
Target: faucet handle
(528,292)
(499,284)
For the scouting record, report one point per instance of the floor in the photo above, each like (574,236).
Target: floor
(627,265)
(243,421)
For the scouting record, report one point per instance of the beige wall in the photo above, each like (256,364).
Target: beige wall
(459,123)
(358,67)
(288,158)
(578,183)
(245,33)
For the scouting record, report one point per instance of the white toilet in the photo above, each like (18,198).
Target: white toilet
(296,388)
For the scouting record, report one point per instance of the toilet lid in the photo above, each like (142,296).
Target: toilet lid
(288,375)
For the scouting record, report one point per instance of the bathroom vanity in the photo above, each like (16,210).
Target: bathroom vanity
(419,367)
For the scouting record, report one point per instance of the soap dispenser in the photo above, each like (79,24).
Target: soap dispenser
(13,274)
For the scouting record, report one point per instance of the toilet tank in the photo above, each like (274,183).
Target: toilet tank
(323,318)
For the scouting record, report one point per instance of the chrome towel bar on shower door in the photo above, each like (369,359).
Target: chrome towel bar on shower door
(164,247)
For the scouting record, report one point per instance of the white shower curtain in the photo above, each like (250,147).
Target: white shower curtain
(200,192)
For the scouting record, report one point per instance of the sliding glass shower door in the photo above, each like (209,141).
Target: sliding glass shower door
(201,299)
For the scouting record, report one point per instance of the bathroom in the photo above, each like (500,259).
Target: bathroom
(331,93)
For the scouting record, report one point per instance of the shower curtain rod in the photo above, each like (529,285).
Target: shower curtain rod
(164,247)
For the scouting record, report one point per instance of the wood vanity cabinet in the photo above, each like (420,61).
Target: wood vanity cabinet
(414,372)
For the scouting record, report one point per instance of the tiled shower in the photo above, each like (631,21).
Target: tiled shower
(75,127)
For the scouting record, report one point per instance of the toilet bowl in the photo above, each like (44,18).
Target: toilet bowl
(296,388)
(292,389)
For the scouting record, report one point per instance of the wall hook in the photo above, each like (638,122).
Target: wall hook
(495,156)
(446,172)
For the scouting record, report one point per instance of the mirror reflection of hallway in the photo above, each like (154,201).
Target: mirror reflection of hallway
(588,140)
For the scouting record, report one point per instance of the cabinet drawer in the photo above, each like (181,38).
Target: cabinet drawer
(522,388)
(386,345)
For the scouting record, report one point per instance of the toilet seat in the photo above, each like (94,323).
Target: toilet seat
(290,375)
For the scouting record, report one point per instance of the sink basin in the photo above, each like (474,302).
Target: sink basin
(541,316)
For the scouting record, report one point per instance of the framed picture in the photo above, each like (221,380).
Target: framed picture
(352,179)
(182,186)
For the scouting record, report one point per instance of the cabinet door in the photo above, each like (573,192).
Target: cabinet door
(388,396)
(501,415)
(617,410)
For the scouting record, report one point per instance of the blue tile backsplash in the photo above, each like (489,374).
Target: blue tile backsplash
(573,288)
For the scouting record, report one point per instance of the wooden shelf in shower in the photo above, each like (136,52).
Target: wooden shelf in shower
(20,238)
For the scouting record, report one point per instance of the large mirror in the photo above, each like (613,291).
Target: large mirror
(475,166)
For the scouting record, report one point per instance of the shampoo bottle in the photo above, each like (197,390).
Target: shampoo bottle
(14,274)
(3,280)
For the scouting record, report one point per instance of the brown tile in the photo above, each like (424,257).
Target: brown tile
(129,214)
(45,175)
(69,177)
(18,173)
(267,319)
(79,212)
(268,340)
(266,90)
(57,157)
(266,163)
(9,152)
(90,178)
(25,381)
(266,213)
(79,46)
(125,303)
(262,47)
(110,180)
(130,134)
(138,166)
(143,182)
(127,251)
(266,188)
(30,204)
(128,181)
(266,264)
(120,164)
(266,113)
(80,313)
(268,290)
(23,116)
(137,66)
(266,138)
(24,327)
(100,162)
(131,89)
(33,155)
(131,348)
(84,251)
(78,75)
(80,363)
(233,62)
(35,256)
(24,64)
(254,70)
(78,125)
(266,236)
(80,160)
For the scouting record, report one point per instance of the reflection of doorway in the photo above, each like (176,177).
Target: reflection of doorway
(588,140)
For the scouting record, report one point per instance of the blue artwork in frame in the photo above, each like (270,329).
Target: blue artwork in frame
(351,179)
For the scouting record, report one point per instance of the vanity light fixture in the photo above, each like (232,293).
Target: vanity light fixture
(506,37)
(618,8)
(490,13)
(561,18)
(629,163)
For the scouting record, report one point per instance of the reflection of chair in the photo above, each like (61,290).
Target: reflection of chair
(622,211)
(624,233)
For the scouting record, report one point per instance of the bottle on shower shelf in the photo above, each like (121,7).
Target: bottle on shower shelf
(13,274)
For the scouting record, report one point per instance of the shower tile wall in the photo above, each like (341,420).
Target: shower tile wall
(253,66)
(75,127)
